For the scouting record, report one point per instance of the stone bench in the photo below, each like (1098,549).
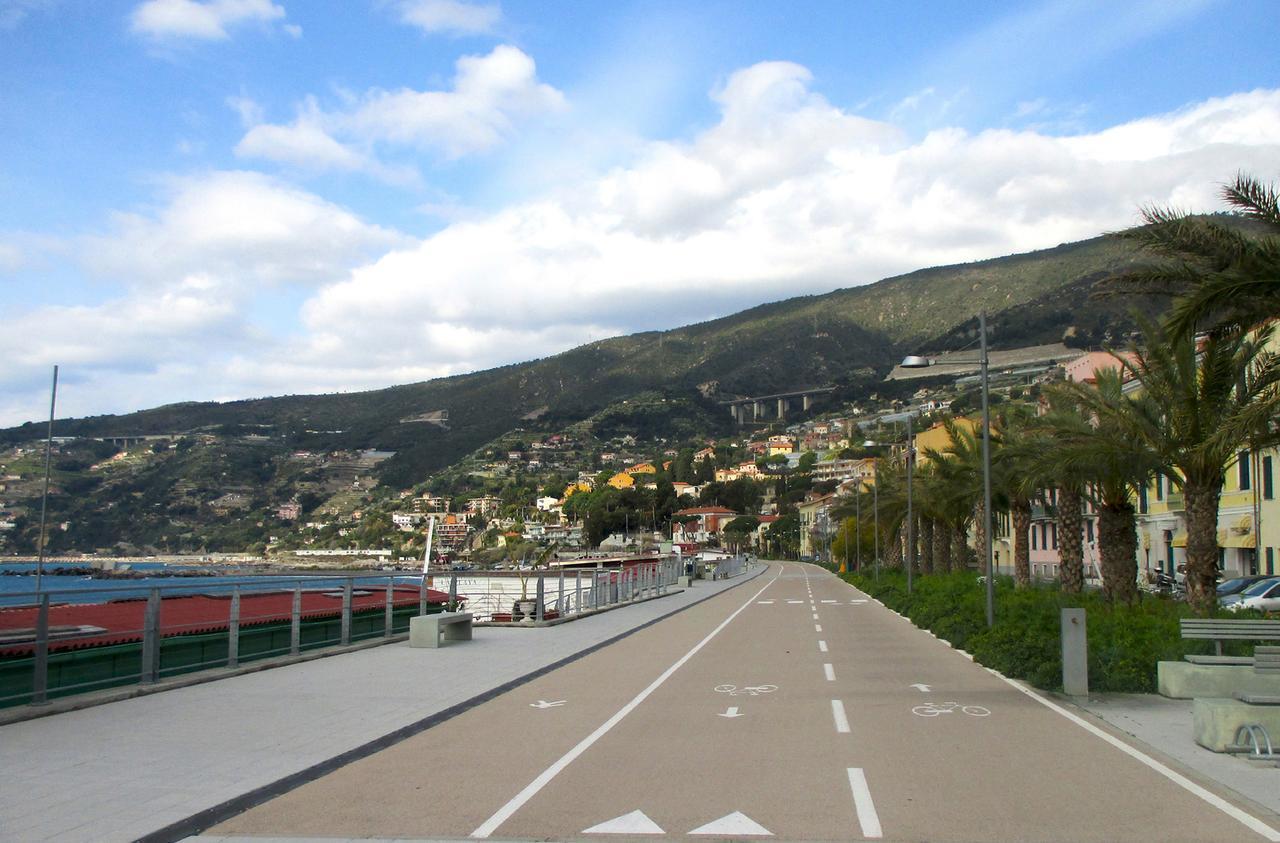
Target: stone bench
(1218,630)
(427,630)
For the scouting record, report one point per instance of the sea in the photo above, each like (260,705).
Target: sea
(18,582)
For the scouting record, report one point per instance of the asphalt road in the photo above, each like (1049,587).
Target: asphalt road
(790,707)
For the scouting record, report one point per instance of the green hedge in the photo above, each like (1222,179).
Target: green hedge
(1125,642)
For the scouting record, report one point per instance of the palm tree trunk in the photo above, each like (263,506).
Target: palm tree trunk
(1070,541)
(893,550)
(979,528)
(1202,543)
(926,545)
(961,553)
(941,547)
(1020,515)
(1118,551)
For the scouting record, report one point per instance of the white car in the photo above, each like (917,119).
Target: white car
(1264,595)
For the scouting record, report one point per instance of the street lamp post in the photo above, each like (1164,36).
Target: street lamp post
(875,509)
(915,362)
(857,520)
(911,523)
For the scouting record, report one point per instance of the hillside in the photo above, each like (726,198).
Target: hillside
(848,337)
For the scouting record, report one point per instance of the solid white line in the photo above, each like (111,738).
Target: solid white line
(842,722)
(822,646)
(867,817)
(504,813)
(830,672)
(1250,821)
(817,628)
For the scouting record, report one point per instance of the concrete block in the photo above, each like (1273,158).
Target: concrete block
(1215,721)
(427,630)
(1185,681)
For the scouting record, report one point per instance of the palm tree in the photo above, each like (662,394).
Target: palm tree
(1091,454)
(1201,401)
(1015,476)
(1226,277)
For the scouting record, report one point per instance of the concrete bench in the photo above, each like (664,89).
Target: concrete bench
(1215,721)
(1257,677)
(427,630)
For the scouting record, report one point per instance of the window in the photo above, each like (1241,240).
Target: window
(1243,465)
(1033,537)
(1053,531)
(1271,560)
(1142,500)
(1268,485)
(1088,530)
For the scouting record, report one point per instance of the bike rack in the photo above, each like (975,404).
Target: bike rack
(1257,737)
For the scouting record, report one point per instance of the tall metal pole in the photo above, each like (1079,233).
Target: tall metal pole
(875,501)
(910,555)
(986,476)
(857,548)
(44,499)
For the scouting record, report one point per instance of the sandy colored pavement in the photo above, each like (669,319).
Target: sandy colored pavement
(635,740)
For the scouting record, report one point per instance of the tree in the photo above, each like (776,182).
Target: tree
(1225,277)
(1201,402)
(738,531)
(1091,446)
(783,536)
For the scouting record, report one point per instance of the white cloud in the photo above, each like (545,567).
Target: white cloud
(14,12)
(450,16)
(490,96)
(786,194)
(11,257)
(206,21)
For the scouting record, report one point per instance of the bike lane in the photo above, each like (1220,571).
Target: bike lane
(757,760)
(449,779)
(997,765)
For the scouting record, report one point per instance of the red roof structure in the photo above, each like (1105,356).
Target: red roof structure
(122,621)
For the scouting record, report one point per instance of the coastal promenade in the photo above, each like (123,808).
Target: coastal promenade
(781,704)
(136,767)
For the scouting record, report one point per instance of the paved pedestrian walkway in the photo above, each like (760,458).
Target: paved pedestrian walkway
(136,767)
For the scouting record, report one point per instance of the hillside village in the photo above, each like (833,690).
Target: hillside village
(782,486)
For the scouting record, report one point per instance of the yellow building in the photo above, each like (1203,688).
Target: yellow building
(573,488)
(936,438)
(622,480)
(641,468)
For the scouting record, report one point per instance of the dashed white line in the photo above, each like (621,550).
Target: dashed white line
(822,646)
(815,616)
(862,804)
(829,672)
(817,628)
(842,721)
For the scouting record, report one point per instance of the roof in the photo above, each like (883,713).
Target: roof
(706,510)
(121,621)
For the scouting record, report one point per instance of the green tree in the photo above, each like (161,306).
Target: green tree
(1225,277)
(1203,401)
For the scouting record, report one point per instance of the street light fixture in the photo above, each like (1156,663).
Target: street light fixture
(916,362)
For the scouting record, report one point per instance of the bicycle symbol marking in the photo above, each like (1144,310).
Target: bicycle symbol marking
(749,690)
(934,709)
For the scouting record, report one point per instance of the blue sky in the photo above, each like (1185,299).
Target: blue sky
(212,199)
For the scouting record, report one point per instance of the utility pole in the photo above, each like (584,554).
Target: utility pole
(44,499)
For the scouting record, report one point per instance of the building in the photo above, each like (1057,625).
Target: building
(700,524)
(816,525)
(622,480)
(483,505)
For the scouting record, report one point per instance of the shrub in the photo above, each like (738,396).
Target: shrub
(1125,642)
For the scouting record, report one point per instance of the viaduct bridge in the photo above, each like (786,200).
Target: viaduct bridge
(759,405)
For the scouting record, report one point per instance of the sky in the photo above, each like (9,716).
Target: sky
(223,199)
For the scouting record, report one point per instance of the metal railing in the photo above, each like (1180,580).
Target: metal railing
(59,642)
(64,641)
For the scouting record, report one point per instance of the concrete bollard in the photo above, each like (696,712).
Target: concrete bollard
(1075,653)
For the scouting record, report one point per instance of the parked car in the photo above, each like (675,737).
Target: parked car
(1264,595)
(1235,585)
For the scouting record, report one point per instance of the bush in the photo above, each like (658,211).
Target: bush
(1125,642)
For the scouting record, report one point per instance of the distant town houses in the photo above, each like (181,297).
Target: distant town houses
(700,525)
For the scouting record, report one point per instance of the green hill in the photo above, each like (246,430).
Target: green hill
(849,337)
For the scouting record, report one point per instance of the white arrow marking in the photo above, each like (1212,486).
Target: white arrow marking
(731,711)
(924,689)
(736,824)
(633,823)
(545,704)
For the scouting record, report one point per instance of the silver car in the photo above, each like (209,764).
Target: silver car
(1264,595)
